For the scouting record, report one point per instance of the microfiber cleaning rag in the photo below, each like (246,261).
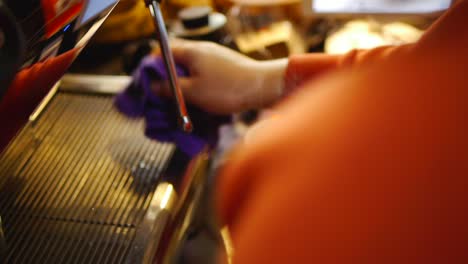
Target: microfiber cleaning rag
(139,101)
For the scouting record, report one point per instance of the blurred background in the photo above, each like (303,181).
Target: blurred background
(260,29)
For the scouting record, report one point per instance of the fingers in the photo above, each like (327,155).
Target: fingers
(182,50)
(192,94)
(162,88)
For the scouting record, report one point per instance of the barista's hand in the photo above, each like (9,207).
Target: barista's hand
(223,81)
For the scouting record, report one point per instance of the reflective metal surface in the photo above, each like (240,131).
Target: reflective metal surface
(156,219)
(54,34)
(97,84)
(12,47)
(184,119)
(81,183)
(78,182)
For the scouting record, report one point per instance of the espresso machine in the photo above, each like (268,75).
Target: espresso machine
(79,182)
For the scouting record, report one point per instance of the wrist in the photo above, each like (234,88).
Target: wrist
(272,85)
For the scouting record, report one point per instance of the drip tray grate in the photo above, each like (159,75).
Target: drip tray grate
(75,184)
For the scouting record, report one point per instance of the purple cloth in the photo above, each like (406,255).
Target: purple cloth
(138,100)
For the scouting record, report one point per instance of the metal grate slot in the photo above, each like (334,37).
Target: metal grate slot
(75,185)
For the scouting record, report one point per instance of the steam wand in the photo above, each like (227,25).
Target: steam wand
(155,10)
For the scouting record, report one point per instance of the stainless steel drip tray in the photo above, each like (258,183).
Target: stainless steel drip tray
(77,183)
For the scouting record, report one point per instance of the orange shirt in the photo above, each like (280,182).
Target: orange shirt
(365,164)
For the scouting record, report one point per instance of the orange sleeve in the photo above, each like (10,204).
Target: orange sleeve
(366,165)
(304,67)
